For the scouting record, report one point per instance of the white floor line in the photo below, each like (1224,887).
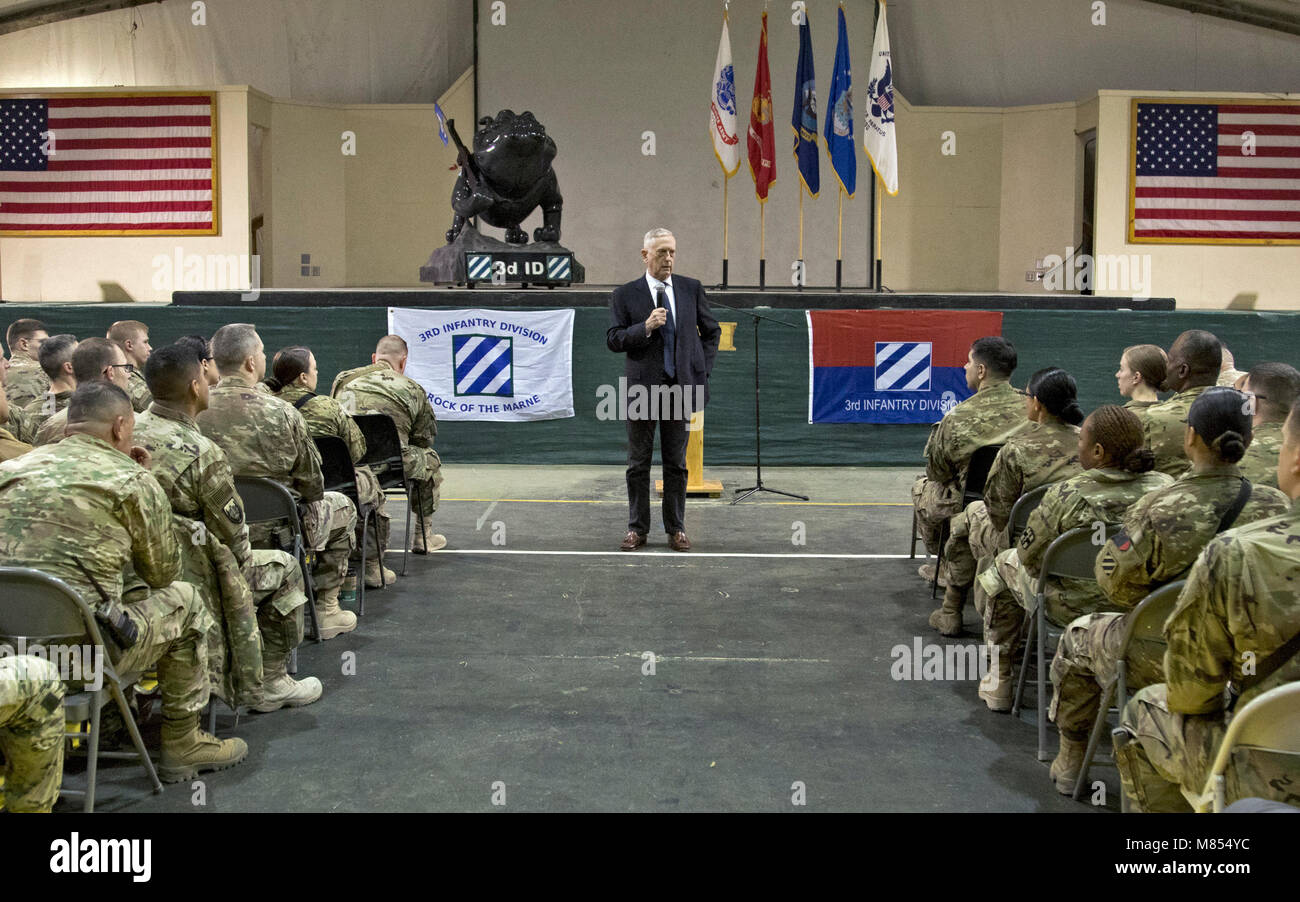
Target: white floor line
(633,555)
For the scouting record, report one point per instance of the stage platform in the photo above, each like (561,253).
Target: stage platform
(598,296)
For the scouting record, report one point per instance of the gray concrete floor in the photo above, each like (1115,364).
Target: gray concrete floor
(515,658)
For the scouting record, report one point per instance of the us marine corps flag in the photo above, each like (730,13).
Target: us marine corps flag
(722,125)
(761,144)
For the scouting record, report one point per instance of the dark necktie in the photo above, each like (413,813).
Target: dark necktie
(670,336)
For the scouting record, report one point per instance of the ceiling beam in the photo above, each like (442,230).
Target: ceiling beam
(29,16)
(1262,15)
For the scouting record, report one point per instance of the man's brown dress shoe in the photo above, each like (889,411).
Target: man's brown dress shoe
(678,542)
(632,541)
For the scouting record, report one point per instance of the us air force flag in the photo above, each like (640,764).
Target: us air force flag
(878,138)
(501,365)
(722,107)
(839,116)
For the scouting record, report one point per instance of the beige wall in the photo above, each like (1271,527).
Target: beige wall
(122,269)
(1198,275)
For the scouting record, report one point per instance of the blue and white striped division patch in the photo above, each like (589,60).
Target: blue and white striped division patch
(559,268)
(484,365)
(478,267)
(903,365)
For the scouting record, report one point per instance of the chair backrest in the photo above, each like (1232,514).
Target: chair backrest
(383,448)
(1146,622)
(265,500)
(41,609)
(1021,510)
(977,472)
(1074,553)
(1269,722)
(336,465)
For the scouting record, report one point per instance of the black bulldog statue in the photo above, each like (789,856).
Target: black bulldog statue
(507,176)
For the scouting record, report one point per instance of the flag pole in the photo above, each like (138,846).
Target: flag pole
(762,247)
(726,182)
(880,183)
(801,269)
(839,246)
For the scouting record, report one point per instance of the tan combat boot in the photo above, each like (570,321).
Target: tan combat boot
(1068,763)
(330,618)
(279,690)
(188,751)
(373,578)
(996,687)
(428,540)
(947,620)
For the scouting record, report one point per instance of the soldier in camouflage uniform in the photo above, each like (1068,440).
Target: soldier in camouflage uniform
(988,417)
(194,473)
(294,379)
(11,442)
(94,359)
(132,336)
(28,381)
(1159,540)
(1274,389)
(1193,367)
(1142,370)
(1239,605)
(263,436)
(31,734)
(56,361)
(1043,450)
(87,502)
(384,388)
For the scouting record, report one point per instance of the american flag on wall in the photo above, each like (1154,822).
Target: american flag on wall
(1215,173)
(108,165)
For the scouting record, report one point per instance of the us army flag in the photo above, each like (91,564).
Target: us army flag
(722,107)
(500,365)
(878,138)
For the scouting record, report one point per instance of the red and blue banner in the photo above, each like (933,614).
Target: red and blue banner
(890,366)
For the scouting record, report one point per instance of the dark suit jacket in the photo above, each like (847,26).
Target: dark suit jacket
(697,334)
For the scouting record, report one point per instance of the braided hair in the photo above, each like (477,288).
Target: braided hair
(1119,432)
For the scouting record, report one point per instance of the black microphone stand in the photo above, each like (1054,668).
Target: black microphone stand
(758,442)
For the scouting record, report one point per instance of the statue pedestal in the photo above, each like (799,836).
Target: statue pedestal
(539,263)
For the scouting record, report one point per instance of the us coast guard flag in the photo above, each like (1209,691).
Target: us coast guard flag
(499,365)
(722,107)
(890,366)
(878,138)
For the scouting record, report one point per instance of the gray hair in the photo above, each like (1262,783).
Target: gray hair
(651,235)
(233,344)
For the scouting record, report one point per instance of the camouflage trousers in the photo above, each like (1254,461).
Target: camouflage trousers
(172,623)
(1086,660)
(972,543)
(935,503)
(423,470)
(1001,602)
(31,733)
(330,525)
(279,591)
(369,492)
(1166,752)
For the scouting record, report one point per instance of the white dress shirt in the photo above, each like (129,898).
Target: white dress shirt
(655,285)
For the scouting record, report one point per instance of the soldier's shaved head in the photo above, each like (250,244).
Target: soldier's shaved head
(170,371)
(55,352)
(1194,359)
(20,329)
(997,354)
(97,404)
(1276,387)
(125,330)
(391,346)
(93,356)
(232,345)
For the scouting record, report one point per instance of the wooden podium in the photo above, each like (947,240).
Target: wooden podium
(696,484)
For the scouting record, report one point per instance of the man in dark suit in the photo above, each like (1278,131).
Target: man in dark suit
(662,322)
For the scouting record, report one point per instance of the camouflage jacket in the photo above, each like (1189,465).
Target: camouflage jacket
(1038,454)
(138,390)
(1164,425)
(263,436)
(1165,530)
(10,446)
(988,417)
(51,430)
(83,500)
(1260,463)
(44,407)
(378,388)
(1138,407)
(1093,496)
(26,381)
(1240,604)
(209,520)
(20,424)
(324,416)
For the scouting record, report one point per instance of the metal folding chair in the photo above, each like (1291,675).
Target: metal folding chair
(266,501)
(341,476)
(1021,510)
(1268,723)
(1145,623)
(977,473)
(42,610)
(384,457)
(1071,555)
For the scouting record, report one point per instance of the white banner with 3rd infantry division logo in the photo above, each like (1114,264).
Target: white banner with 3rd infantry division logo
(502,365)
